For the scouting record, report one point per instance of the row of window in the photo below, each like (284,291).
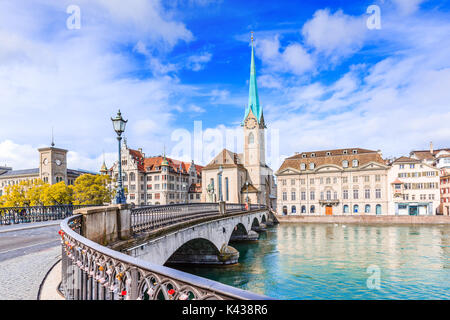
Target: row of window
(328,180)
(345,209)
(328,195)
(417,174)
(345,163)
(158,196)
(421,197)
(328,153)
(132,177)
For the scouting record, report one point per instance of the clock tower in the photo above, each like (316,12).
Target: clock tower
(53,164)
(253,123)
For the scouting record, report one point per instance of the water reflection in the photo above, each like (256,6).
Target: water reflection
(313,261)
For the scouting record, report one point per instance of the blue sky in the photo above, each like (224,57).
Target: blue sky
(325,80)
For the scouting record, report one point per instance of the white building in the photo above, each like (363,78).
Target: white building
(414,187)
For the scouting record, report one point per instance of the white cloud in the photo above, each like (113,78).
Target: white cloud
(336,34)
(197,62)
(291,59)
(407,7)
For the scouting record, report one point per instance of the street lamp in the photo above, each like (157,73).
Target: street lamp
(246,187)
(119,126)
(220,183)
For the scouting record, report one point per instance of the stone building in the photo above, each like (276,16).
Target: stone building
(245,175)
(157,180)
(52,169)
(444,207)
(333,182)
(414,187)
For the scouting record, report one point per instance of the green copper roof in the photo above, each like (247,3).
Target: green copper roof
(253,99)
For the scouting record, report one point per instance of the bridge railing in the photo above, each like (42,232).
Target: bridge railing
(94,272)
(28,214)
(154,217)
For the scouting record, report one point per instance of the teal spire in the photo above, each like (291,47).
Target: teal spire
(253,99)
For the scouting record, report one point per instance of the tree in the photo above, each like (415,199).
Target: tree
(92,189)
(15,195)
(56,194)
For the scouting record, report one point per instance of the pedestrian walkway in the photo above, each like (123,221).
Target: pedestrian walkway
(49,287)
(24,226)
(21,277)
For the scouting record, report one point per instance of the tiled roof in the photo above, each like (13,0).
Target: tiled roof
(226,159)
(335,157)
(397,181)
(195,187)
(426,154)
(13,173)
(406,160)
(154,164)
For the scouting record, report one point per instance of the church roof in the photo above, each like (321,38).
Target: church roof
(226,159)
(253,98)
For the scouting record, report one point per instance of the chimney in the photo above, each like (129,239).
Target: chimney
(431,147)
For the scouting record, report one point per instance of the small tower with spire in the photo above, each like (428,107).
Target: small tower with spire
(104,168)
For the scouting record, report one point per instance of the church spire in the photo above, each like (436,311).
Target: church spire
(253,99)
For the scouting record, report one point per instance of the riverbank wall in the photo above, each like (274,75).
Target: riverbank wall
(365,219)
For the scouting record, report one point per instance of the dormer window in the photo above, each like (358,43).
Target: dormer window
(302,166)
(345,164)
(355,151)
(304,155)
(328,153)
(345,152)
(311,166)
(313,155)
(355,163)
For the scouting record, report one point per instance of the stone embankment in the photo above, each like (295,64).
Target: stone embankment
(365,219)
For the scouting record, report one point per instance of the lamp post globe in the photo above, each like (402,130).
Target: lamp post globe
(119,127)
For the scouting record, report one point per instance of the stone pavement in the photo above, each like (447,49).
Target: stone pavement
(20,277)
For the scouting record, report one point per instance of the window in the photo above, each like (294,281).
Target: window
(293,195)
(283,182)
(355,151)
(311,181)
(355,194)
(313,155)
(285,196)
(335,195)
(401,166)
(377,178)
(312,210)
(328,180)
(293,209)
(328,195)
(304,155)
(411,166)
(302,181)
(344,180)
(311,195)
(226,189)
(355,163)
(367,208)
(355,179)
(311,166)
(345,194)
(378,193)
(378,209)
(366,178)
(303,209)
(284,210)
(367,193)
(345,152)
(292,182)
(251,138)
(346,208)
(302,166)
(328,153)
(303,195)
(355,208)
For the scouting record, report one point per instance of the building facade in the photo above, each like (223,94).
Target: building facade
(52,169)
(414,187)
(333,182)
(445,195)
(156,180)
(241,177)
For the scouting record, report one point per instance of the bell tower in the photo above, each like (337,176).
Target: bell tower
(253,123)
(53,164)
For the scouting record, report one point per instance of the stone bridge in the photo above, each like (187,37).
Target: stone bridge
(122,253)
(203,243)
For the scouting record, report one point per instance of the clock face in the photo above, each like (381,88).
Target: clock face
(58,162)
(250,123)
(45,161)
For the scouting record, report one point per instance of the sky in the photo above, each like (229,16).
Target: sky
(331,74)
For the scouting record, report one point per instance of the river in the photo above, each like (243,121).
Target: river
(331,261)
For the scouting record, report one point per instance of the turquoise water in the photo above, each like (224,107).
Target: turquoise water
(326,261)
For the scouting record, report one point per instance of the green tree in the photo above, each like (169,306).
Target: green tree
(92,189)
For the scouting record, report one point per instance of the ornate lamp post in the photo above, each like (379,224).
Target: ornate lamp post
(220,183)
(246,200)
(119,126)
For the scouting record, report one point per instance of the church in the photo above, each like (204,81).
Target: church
(241,177)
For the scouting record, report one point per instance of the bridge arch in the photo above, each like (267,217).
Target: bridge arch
(196,250)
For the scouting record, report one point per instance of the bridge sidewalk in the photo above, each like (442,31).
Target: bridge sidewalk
(25,226)
(49,286)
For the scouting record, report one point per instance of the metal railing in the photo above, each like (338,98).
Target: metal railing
(154,217)
(16,215)
(94,272)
